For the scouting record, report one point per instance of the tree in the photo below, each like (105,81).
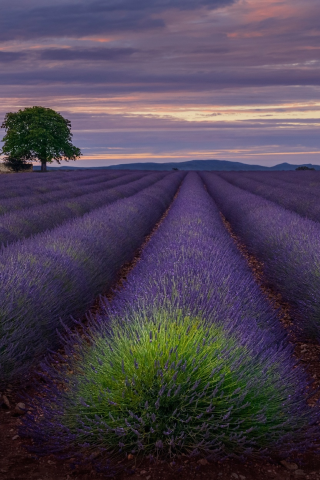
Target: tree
(304,167)
(38,134)
(16,164)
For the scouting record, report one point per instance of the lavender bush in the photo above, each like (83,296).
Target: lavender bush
(72,189)
(287,244)
(22,224)
(308,180)
(295,197)
(26,183)
(59,273)
(188,358)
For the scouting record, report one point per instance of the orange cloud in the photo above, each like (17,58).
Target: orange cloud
(190,155)
(97,39)
(258,11)
(244,35)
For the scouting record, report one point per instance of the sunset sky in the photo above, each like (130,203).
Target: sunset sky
(169,80)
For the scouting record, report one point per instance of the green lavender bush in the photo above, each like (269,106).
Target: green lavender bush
(167,384)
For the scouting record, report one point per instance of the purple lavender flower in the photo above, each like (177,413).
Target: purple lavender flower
(238,393)
(287,244)
(59,273)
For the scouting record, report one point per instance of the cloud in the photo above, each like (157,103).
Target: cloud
(162,56)
(6,57)
(115,81)
(93,17)
(87,54)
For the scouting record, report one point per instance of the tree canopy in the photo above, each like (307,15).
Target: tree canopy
(16,164)
(304,167)
(38,134)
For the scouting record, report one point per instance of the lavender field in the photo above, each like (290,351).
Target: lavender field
(187,355)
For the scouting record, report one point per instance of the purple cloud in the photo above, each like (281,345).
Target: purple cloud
(92,17)
(88,54)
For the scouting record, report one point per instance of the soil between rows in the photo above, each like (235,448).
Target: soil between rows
(307,352)
(17,464)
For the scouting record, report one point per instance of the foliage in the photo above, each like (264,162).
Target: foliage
(189,357)
(300,194)
(304,167)
(286,243)
(162,385)
(60,272)
(36,219)
(38,134)
(33,189)
(16,164)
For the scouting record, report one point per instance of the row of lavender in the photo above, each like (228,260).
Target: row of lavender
(287,244)
(59,273)
(306,178)
(303,199)
(189,357)
(24,183)
(57,191)
(34,220)
(281,180)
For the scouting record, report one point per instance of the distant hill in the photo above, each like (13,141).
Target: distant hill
(218,165)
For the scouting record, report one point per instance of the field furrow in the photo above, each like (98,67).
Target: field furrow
(26,184)
(287,244)
(34,220)
(59,273)
(188,358)
(297,198)
(71,190)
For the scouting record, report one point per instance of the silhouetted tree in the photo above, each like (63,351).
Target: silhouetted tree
(38,134)
(304,167)
(16,164)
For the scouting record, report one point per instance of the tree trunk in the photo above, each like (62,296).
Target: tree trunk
(43,166)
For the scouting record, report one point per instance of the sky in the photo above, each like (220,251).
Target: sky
(169,80)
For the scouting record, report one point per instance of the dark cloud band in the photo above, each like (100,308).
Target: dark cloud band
(87,54)
(115,80)
(8,57)
(92,17)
